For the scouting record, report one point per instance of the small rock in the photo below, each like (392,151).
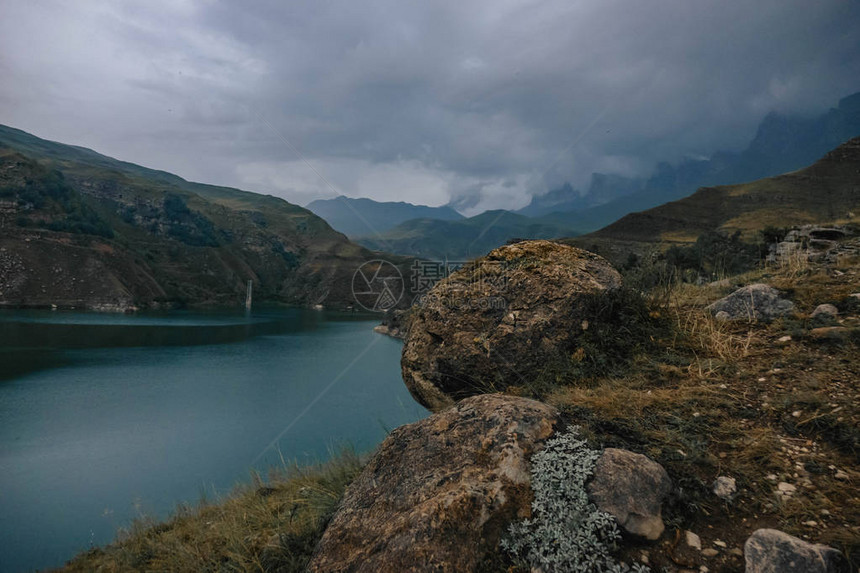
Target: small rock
(829,333)
(720,543)
(725,487)
(796,414)
(825,310)
(631,487)
(693,540)
(785,488)
(710,552)
(736,552)
(810,523)
(771,477)
(784,339)
(841,475)
(772,551)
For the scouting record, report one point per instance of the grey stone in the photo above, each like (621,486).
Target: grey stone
(772,551)
(825,310)
(725,487)
(757,302)
(631,487)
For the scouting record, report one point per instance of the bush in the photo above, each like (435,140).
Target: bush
(716,254)
(187,226)
(567,533)
(61,207)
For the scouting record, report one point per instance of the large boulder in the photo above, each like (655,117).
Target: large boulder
(439,493)
(500,320)
(758,302)
(772,551)
(630,487)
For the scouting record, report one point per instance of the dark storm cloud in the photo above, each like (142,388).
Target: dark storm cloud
(421,101)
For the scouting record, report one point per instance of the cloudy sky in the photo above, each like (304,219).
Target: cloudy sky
(481,102)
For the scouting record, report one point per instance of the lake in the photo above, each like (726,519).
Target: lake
(107,417)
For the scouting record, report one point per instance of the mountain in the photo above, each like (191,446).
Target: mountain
(828,191)
(603,188)
(80,229)
(367,218)
(464,239)
(782,143)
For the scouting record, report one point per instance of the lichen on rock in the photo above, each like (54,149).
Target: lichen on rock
(439,493)
(501,319)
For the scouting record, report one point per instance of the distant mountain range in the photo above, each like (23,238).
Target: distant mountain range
(463,239)
(782,143)
(368,218)
(80,229)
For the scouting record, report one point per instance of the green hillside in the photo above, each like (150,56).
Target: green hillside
(81,229)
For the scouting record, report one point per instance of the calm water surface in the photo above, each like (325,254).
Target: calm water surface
(106,417)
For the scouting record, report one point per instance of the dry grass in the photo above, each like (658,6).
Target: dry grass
(263,526)
(726,398)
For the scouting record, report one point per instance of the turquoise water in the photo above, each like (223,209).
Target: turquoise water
(106,417)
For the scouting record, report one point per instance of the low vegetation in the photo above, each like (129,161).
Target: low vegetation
(567,533)
(44,199)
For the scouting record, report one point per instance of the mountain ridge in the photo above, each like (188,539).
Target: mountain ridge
(462,239)
(782,143)
(827,191)
(361,217)
(165,240)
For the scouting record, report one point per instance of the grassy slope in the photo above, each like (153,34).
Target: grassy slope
(824,192)
(291,254)
(271,526)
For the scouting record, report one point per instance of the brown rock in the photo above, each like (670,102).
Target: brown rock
(501,319)
(631,487)
(439,493)
(829,333)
